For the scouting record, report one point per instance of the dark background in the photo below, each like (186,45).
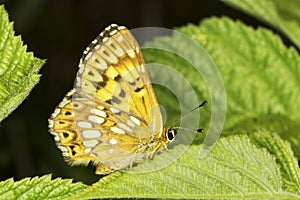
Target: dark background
(59,31)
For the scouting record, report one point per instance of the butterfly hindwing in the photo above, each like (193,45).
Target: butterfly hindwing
(66,134)
(87,131)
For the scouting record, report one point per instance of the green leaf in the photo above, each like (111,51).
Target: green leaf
(284,156)
(287,127)
(39,188)
(283,15)
(261,76)
(18,68)
(235,168)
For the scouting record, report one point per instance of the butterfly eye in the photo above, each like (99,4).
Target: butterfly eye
(171,134)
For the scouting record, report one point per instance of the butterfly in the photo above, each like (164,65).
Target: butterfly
(111,118)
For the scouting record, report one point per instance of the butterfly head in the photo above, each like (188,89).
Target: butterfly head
(170,134)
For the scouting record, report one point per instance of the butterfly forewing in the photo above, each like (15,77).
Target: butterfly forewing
(113,72)
(112,113)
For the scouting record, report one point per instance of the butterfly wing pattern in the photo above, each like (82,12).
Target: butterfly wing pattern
(111,118)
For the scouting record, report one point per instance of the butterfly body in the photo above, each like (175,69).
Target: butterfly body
(111,118)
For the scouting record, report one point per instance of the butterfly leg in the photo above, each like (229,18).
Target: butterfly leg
(157,148)
(102,169)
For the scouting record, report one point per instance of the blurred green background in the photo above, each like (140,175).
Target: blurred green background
(59,31)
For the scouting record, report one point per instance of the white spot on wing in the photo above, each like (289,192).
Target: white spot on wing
(86,50)
(117,130)
(113,59)
(50,123)
(113,32)
(135,120)
(71,92)
(90,143)
(80,71)
(143,68)
(88,56)
(78,81)
(110,151)
(55,113)
(104,39)
(64,102)
(92,154)
(87,150)
(123,126)
(94,41)
(63,149)
(100,107)
(96,119)
(120,38)
(119,52)
(130,123)
(91,133)
(83,124)
(98,112)
(56,138)
(113,141)
(114,110)
(102,65)
(131,53)
(96,47)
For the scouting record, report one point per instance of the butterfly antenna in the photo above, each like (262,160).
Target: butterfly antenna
(200,130)
(186,114)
